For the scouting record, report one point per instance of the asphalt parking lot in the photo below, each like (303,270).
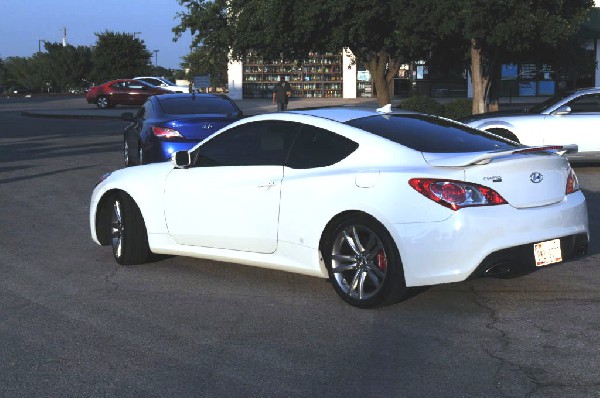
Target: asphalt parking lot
(74,323)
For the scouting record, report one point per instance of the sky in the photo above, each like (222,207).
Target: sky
(25,22)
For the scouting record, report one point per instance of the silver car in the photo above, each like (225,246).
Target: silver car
(570,118)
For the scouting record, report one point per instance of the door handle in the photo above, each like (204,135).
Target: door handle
(267,186)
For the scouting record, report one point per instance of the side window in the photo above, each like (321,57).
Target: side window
(135,85)
(586,104)
(251,144)
(317,147)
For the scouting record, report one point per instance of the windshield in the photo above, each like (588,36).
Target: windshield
(426,133)
(541,107)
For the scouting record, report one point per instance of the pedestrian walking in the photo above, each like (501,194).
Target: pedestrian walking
(281,93)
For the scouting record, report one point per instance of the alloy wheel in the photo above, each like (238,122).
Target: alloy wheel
(359,263)
(117,229)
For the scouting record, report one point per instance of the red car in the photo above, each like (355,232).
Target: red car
(122,92)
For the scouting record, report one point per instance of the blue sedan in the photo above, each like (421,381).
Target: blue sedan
(174,122)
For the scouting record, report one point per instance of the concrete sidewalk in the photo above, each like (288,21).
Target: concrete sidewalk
(76,107)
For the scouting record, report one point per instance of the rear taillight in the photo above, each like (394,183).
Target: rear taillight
(572,183)
(165,132)
(456,194)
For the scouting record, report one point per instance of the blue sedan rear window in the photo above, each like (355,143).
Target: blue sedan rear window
(426,133)
(197,105)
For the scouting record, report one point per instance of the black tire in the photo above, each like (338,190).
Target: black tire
(509,135)
(102,102)
(129,238)
(363,262)
(140,154)
(130,155)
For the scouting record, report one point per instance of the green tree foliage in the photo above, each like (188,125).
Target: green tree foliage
(384,34)
(292,29)
(68,67)
(26,73)
(204,60)
(119,55)
(496,32)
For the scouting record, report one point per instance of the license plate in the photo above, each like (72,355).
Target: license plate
(547,252)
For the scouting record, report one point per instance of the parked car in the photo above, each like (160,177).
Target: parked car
(121,92)
(570,118)
(376,202)
(163,83)
(175,122)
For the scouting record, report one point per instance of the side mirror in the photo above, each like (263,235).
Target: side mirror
(127,116)
(563,110)
(181,159)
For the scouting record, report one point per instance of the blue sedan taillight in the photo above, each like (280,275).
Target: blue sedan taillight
(165,132)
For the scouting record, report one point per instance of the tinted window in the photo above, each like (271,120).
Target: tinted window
(430,134)
(251,144)
(316,147)
(189,105)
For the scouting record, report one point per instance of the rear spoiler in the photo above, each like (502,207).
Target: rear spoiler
(461,160)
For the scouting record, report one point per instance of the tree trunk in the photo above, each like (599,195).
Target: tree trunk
(494,77)
(479,81)
(383,69)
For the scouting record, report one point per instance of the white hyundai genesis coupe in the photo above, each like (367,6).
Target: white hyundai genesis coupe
(375,201)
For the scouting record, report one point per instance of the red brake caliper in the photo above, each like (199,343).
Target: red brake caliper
(381,260)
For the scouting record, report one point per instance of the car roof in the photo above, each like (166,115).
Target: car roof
(184,96)
(344,114)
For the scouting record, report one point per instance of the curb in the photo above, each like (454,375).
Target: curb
(67,116)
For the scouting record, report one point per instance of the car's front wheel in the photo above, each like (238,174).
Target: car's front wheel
(363,262)
(129,238)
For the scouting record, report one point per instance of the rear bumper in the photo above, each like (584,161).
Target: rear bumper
(484,240)
(520,260)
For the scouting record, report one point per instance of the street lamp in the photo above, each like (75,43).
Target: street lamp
(156,57)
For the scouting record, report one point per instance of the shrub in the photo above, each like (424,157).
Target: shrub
(454,110)
(458,109)
(423,104)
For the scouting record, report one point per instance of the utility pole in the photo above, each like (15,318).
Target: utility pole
(64,38)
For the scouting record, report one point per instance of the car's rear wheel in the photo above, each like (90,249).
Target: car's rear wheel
(140,154)
(129,155)
(102,102)
(363,262)
(129,238)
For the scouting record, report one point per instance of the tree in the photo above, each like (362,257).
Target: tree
(503,31)
(26,73)
(206,61)
(292,29)
(119,55)
(68,66)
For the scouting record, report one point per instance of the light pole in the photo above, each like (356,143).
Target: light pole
(156,57)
